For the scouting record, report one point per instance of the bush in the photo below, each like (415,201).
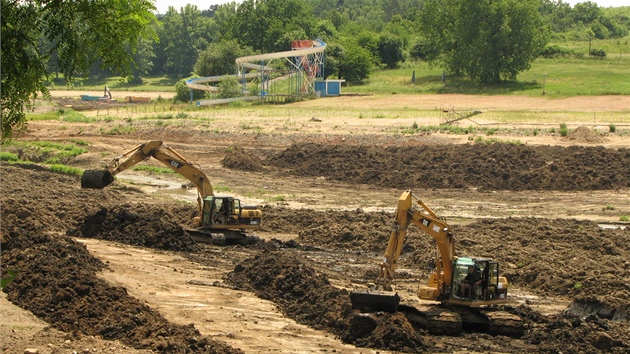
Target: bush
(600,53)
(555,51)
(563,130)
(612,128)
(183,92)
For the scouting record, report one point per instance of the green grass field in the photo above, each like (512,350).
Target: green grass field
(561,77)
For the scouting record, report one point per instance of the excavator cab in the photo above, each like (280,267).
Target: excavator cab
(477,281)
(224,212)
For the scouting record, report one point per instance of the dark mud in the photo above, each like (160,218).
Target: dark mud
(481,166)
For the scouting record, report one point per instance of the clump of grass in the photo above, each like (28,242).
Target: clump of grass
(563,130)
(612,128)
(80,142)
(624,218)
(154,169)
(73,116)
(609,207)
(8,157)
(222,189)
(48,150)
(278,198)
(66,170)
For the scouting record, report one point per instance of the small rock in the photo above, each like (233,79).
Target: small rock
(31,351)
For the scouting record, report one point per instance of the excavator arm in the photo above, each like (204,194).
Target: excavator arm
(426,220)
(99,179)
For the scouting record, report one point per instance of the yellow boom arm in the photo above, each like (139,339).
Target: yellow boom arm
(161,152)
(431,224)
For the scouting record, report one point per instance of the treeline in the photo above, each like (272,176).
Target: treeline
(488,41)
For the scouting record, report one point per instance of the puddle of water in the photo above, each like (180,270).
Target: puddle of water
(612,226)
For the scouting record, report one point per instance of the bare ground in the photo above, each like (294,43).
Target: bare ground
(133,280)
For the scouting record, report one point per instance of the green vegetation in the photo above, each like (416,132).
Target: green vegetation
(119,130)
(624,218)
(55,155)
(562,78)
(222,189)
(153,169)
(9,157)
(36,31)
(563,130)
(8,279)
(609,207)
(66,170)
(49,152)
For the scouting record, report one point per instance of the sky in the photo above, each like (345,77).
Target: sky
(162,5)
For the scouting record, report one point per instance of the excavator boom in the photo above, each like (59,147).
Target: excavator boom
(220,218)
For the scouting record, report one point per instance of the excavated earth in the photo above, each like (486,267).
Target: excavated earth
(570,276)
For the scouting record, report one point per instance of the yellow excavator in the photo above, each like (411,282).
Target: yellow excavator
(465,287)
(221,219)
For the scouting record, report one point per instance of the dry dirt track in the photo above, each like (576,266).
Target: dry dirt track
(314,200)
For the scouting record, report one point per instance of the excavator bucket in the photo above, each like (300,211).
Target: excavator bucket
(371,300)
(96,179)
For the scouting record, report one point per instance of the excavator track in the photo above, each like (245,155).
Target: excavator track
(454,320)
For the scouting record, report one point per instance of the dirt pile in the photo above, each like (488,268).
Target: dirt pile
(583,134)
(557,257)
(138,225)
(482,166)
(307,296)
(56,280)
(355,229)
(237,158)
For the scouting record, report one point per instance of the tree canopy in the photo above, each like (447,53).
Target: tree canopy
(79,32)
(489,41)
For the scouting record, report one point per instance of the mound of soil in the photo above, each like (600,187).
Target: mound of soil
(138,225)
(584,135)
(307,296)
(237,158)
(482,166)
(56,280)
(355,230)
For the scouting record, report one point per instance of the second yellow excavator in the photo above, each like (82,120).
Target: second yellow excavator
(221,219)
(464,286)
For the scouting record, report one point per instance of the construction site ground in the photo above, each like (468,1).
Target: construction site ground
(113,270)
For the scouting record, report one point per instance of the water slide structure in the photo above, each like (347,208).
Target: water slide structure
(305,66)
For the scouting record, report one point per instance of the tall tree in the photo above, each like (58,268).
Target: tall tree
(261,24)
(219,58)
(488,40)
(82,32)
(184,35)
